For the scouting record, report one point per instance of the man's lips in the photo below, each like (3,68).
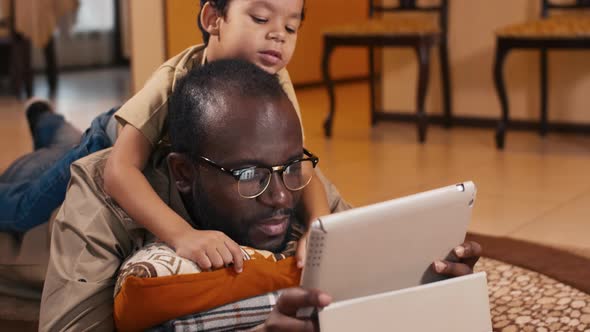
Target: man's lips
(274,226)
(271,57)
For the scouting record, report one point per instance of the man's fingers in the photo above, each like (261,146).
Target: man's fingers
(468,249)
(468,253)
(295,298)
(290,324)
(237,254)
(452,269)
(300,253)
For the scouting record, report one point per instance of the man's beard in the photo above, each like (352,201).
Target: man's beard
(206,217)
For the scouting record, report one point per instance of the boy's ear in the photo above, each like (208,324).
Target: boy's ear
(182,170)
(210,19)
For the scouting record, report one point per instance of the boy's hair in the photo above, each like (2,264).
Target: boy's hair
(208,86)
(221,7)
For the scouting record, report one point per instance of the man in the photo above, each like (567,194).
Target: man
(237,164)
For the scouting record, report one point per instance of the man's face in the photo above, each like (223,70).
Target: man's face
(269,138)
(263,32)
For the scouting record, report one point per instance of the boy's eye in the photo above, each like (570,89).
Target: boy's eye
(290,29)
(259,20)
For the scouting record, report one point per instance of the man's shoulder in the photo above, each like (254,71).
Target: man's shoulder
(87,184)
(88,208)
(92,166)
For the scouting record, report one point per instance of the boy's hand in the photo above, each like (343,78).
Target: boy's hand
(210,250)
(301,250)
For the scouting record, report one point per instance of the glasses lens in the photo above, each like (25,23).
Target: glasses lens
(298,175)
(253,181)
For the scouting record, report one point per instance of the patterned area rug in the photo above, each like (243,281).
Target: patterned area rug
(535,288)
(524,300)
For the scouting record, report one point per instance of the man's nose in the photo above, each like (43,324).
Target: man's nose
(276,194)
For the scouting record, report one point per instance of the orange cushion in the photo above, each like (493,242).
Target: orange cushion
(145,302)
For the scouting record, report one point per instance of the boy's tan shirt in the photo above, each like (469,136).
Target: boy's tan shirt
(148,109)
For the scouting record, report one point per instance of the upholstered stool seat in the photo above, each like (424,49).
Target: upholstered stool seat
(388,26)
(568,28)
(554,27)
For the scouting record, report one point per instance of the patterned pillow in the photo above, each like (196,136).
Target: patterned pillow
(159,260)
(155,285)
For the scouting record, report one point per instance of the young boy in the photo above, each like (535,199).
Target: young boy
(263,32)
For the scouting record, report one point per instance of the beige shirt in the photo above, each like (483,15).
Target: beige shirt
(92,236)
(148,109)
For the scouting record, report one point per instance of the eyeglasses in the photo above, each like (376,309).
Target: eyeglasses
(253,181)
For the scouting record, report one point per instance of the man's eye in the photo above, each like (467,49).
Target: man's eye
(259,20)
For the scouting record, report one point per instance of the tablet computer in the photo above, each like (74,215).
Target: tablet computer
(387,246)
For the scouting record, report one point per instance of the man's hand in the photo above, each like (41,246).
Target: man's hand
(467,253)
(301,249)
(283,317)
(209,250)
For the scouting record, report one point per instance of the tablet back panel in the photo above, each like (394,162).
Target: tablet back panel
(458,305)
(389,245)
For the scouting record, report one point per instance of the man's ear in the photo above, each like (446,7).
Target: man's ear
(210,19)
(182,170)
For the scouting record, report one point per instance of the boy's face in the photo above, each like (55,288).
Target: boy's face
(263,32)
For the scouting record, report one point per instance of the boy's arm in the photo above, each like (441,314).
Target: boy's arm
(315,205)
(125,182)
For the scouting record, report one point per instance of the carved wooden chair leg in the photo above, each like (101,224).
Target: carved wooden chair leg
(372,94)
(543,63)
(501,52)
(446,83)
(423,52)
(330,88)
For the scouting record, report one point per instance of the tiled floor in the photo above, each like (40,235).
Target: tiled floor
(81,96)
(538,189)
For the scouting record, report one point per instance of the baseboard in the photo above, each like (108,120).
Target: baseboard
(484,122)
(339,81)
(79,68)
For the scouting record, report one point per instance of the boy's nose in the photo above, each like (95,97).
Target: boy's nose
(276,36)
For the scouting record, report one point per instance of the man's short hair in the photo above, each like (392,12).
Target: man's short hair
(207,86)
(221,7)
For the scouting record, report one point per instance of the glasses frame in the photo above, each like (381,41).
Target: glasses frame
(236,173)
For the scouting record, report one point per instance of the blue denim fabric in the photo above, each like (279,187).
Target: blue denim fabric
(35,184)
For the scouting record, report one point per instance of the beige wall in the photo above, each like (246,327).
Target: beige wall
(181,25)
(472,47)
(125,28)
(148,49)
(306,63)
(182,32)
